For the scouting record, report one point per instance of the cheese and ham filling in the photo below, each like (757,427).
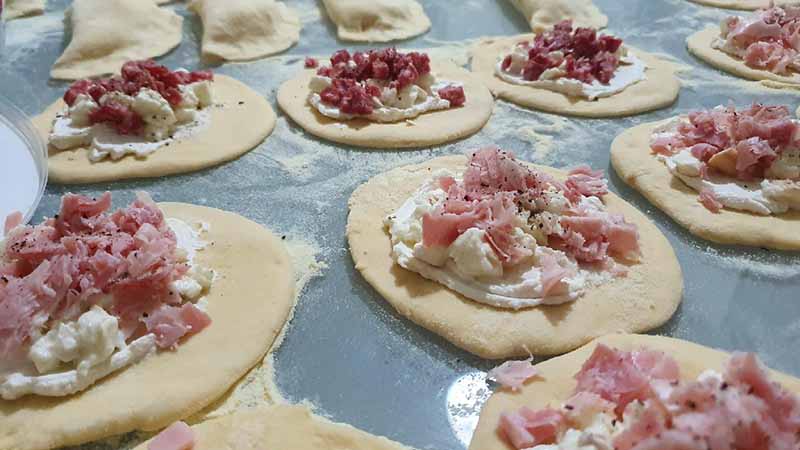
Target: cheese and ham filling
(137,112)
(638,401)
(177,436)
(746,159)
(503,234)
(88,292)
(380,85)
(576,62)
(767,39)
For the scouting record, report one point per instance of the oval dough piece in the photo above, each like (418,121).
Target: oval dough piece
(377,20)
(699,44)
(249,303)
(240,125)
(659,90)
(555,383)
(427,129)
(543,14)
(283,427)
(14,9)
(108,33)
(262,28)
(633,162)
(644,300)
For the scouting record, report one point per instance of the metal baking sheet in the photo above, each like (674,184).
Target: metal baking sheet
(346,350)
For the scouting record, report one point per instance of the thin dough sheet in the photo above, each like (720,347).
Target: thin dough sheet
(377,20)
(543,14)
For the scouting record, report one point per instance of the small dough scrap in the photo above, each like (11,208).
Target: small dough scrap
(699,44)
(283,427)
(634,163)
(427,129)
(377,20)
(241,119)
(108,33)
(14,9)
(643,300)
(543,14)
(244,30)
(556,384)
(249,304)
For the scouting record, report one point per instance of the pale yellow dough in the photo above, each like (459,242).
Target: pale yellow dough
(108,33)
(248,304)
(243,30)
(749,5)
(234,130)
(555,383)
(14,9)
(283,427)
(659,90)
(377,20)
(699,44)
(644,300)
(427,129)
(543,14)
(638,167)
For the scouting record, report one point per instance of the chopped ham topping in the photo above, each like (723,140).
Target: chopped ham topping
(513,374)
(12,221)
(177,436)
(311,63)
(527,428)
(767,40)
(709,199)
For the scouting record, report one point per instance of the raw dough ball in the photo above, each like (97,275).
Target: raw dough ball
(377,20)
(555,384)
(543,14)
(108,33)
(242,30)
(643,300)
(241,124)
(14,9)
(634,163)
(249,303)
(427,129)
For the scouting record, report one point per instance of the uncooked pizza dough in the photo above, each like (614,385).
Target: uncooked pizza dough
(108,33)
(543,14)
(14,9)
(248,304)
(283,427)
(241,123)
(750,5)
(659,90)
(427,129)
(262,28)
(377,20)
(699,44)
(636,165)
(555,383)
(643,300)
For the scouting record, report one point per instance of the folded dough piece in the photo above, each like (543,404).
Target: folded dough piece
(107,33)
(377,20)
(241,30)
(15,9)
(543,14)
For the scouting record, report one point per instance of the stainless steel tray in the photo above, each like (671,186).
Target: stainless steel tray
(347,351)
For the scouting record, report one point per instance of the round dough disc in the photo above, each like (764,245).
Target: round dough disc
(699,45)
(631,158)
(556,383)
(748,5)
(643,300)
(659,90)
(427,129)
(283,427)
(245,120)
(248,304)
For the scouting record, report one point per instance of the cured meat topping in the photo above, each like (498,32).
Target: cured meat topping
(765,40)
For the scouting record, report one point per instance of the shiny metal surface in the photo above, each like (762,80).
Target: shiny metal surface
(347,351)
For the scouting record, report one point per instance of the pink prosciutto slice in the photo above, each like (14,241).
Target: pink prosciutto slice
(513,374)
(765,40)
(177,436)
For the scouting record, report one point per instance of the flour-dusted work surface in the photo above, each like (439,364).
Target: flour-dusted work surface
(346,350)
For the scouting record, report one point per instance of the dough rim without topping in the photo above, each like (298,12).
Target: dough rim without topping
(209,147)
(659,90)
(165,387)
(744,5)
(644,300)
(634,163)
(555,382)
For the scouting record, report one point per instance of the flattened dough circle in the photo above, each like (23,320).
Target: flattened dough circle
(659,90)
(699,44)
(248,303)
(556,383)
(748,5)
(234,130)
(633,162)
(428,129)
(644,300)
